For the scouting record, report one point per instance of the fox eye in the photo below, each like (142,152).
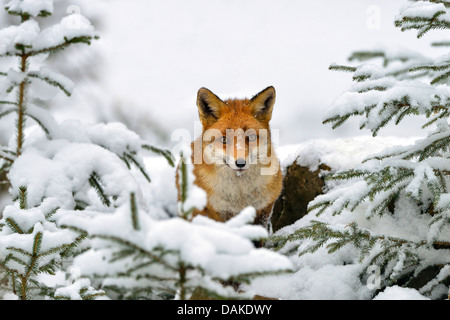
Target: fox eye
(252,137)
(224,140)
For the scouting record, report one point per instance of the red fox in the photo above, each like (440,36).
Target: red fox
(234,161)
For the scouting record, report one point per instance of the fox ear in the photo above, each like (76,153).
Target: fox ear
(209,106)
(261,105)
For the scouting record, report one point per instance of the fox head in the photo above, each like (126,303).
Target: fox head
(236,132)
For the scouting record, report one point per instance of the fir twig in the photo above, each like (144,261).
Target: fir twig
(336,67)
(165,153)
(23,198)
(134,212)
(128,156)
(51,82)
(95,182)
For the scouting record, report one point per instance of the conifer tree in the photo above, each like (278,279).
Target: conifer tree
(30,243)
(78,201)
(170,259)
(55,167)
(407,184)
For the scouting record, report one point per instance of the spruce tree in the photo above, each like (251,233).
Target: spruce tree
(30,243)
(53,168)
(78,197)
(171,259)
(405,184)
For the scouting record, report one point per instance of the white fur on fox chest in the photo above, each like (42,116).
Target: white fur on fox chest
(233,192)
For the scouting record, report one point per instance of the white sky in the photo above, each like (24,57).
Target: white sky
(158,53)
(169,49)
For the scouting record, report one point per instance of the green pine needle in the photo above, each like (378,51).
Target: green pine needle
(134,212)
(95,182)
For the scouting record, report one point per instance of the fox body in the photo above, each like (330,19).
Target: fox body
(233,159)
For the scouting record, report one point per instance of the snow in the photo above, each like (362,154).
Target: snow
(299,74)
(44,118)
(66,162)
(161,194)
(73,291)
(318,276)
(216,246)
(337,153)
(421,9)
(67,172)
(31,7)
(10,296)
(442,60)
(15,77)
(337,276)
(24,34)
(50,237)
(357,99)
(328,282)
(196,197)
(57,174)
(417,15)
(220,251)
(399,293)
(70,27)
(46,74)
(369,70)
(443,274)
(30,35)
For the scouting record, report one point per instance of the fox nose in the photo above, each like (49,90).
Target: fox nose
(240,163)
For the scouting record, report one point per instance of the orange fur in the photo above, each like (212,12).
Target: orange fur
(229,188)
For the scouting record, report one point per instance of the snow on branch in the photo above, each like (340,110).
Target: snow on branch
(76,158)
(191,196)
(15,37)
(30,243)
(79,290)
(27,38)
(434,144)
(395,63)
(72,29)
(393,208)
(174,255)
(54,79)
(424,16)
(30,8)
(7,155)
(380,99)
(440,69)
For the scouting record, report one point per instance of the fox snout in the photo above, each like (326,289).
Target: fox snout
(240,163)
(238,149)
